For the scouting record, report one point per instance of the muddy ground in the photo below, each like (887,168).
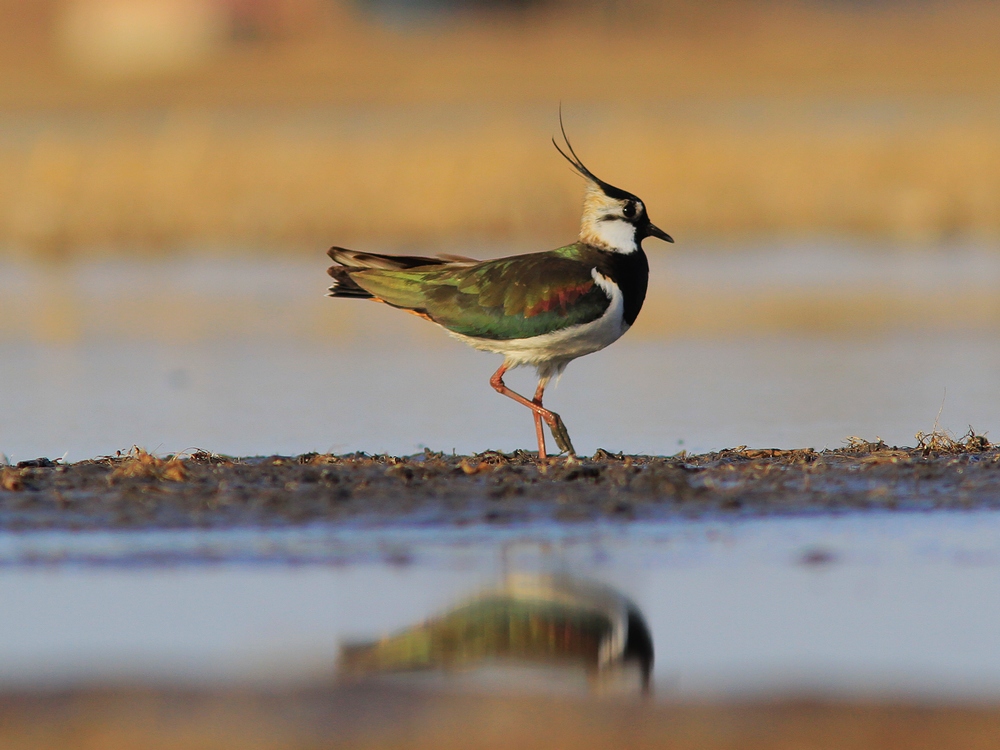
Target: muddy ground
(377,717)
(139,490)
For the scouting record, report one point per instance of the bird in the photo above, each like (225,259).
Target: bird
(540,309)
(560,623)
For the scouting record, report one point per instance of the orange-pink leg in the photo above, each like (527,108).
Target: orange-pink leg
(553,420)
(539,430)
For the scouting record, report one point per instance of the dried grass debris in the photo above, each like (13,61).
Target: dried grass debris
(942,442)
(139,463)
(469,468)
(10,480)
(855,444)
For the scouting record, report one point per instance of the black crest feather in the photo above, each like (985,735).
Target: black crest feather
(610,190)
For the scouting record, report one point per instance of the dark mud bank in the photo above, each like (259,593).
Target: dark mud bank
(138,490)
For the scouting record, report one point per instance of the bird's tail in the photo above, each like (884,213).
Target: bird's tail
(343,285)
(353,260)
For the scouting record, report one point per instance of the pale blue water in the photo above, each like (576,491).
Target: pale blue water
(245,356)
(899,604)
(242,398)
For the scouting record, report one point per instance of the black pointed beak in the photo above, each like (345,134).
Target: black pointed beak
(654,231)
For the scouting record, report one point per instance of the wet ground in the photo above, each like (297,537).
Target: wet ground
(326,717)
(140,490)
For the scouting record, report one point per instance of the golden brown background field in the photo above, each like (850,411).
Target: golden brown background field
(299,123)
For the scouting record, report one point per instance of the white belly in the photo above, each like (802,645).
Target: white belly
(551,352)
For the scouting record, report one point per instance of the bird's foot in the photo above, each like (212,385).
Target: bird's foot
(561,434)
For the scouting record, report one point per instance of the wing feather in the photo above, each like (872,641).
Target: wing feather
(509,298)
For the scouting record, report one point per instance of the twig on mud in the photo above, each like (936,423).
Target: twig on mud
(942,441)
(855,444)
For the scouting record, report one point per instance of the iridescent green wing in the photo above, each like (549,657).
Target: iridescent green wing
(508,298)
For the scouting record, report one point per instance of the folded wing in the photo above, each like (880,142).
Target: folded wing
(509,298)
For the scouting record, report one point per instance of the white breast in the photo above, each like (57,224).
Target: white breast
(551,352)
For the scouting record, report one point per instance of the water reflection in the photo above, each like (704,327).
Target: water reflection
(532,628)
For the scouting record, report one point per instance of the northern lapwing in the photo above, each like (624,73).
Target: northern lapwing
(542,309)
(554,623)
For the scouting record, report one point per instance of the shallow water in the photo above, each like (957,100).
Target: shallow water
(894,603)
(241,398)
(784,346)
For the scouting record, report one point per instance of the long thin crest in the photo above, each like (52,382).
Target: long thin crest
(579,166)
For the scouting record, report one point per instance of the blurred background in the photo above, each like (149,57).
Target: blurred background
(158,125)
(172,171)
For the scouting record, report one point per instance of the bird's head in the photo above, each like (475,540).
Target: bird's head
(613,219)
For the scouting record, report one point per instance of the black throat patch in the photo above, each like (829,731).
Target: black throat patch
(631,273)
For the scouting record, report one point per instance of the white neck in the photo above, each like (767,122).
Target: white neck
(615,236)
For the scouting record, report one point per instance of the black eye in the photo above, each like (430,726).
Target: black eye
(628,210)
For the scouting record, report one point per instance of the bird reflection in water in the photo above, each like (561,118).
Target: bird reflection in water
(531,628)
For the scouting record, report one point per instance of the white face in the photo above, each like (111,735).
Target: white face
(608,222)
(617,235)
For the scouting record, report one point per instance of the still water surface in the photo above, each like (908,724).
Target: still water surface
(880,603)
(783,346)
(655,397)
